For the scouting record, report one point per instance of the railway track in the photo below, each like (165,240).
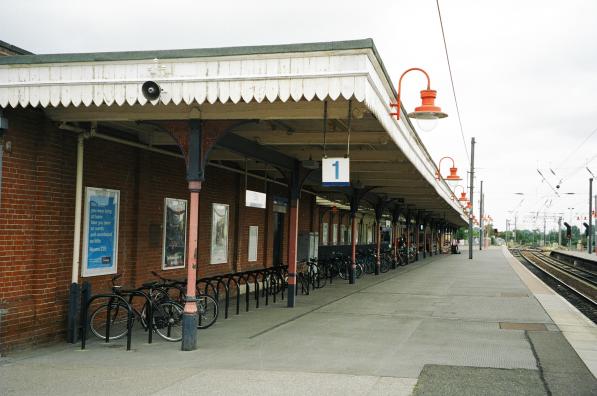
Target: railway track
(577,285)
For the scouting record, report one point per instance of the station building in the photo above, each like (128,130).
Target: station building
(98,176)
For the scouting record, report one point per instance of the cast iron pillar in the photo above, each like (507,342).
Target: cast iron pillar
(195,176)
(354,197)
(295,189)
(381,204)
(395,226)
(408,240)
(353,242)
(417,235)
(424,223)
(195,138)
(296,178)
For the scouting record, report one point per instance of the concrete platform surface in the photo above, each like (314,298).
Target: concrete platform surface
(583,255)
(457,326)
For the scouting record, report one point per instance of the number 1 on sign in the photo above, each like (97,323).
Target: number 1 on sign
(335,172)
(337,166)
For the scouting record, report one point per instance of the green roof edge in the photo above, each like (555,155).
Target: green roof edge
(14,48)
(187,53)
(197,53)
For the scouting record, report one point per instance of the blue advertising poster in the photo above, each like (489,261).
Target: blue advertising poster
(100,233)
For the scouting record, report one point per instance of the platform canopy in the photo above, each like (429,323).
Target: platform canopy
(279,90)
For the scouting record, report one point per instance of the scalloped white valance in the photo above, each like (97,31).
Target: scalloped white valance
(188,81)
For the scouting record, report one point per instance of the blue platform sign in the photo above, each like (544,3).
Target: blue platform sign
(100,232)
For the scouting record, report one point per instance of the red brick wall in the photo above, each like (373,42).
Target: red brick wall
(37,216)
(35,229)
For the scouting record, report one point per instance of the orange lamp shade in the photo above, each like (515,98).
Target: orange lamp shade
(469,205)
(428,110)
(453,176)
(462,197)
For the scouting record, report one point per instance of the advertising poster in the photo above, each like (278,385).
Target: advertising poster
(253,237)
(219,234)
(100,232)
(175,233)
(334,234)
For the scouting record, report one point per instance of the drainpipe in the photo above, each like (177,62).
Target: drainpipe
(75,289)
(3,130)
(78,209)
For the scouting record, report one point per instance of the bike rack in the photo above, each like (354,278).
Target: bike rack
(131,294)
(128,306)
(267,282)
(232,279)
(112,297)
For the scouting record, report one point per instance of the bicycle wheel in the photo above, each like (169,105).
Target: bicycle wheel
(207,311)
(118,321)
(320,278)
(369,265)
(385,265)
(167,320)
(359,270)
(342,270)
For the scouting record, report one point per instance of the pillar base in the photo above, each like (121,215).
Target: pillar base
(352,276)
(291,295)
(189,332)
(74,298)
(377,268)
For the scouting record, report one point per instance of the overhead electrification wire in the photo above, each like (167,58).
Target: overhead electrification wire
(579,146)
(441,23)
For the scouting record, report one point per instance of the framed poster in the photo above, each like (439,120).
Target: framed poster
(324,233)
(334,234)
(253,238)
(175,233)
(343,234)
(219,234)
(100,231)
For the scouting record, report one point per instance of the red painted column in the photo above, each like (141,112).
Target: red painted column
(395,239)
(292,242)
(353,243)
(195,188)
(407,229)
(190,319)
(294,196)
(424,241)
(378,262)
(417,239)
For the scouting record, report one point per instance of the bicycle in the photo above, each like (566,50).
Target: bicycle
(367,260)
(112,316)
(385,261)
(207,306)
(343,266)
(317,274)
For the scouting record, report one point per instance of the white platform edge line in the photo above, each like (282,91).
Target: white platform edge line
(589,361)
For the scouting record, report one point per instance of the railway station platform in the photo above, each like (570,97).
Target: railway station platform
(581,255)
(445,325)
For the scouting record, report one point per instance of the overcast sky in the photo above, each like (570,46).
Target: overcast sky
(525,71)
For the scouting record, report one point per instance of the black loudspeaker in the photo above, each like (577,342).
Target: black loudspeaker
(151,90)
